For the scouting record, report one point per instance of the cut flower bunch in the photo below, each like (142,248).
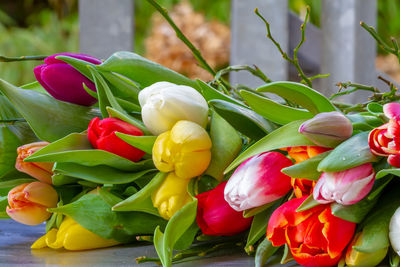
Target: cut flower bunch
(126,150)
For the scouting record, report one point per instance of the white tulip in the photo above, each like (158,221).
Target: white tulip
(394,231)
(164,103)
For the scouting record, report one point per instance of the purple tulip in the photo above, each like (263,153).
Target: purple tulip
(63,82)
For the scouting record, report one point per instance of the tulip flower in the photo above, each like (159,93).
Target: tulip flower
(101,134)
(327,129)
(171,196)
(355,258)
(39,170)
(258,181)
(216,217)
(345,187)
(385,140)
(394,231)
(64,82)
(72,236)
(184,149)
(28,202)
(164,104)
(303,187)
(315,237)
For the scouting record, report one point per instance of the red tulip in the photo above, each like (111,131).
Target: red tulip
(101,134)
(258,181)
(216,217)
(385,140)
(64,82)
(315,237)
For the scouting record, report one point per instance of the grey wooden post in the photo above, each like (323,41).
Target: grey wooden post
(106,26)
(348,51)
(249,44)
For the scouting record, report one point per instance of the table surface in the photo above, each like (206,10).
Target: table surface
(16,239)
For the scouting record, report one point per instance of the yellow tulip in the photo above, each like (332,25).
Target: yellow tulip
(39,170)
(184,149)
(28,203)
(72,236)
(171,196)
(355,258)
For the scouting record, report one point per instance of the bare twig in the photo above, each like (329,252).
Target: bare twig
(22,58)
(255,71)
(355,86)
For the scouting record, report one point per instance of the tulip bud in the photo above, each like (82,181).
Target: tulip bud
(39,170)
(64,82)
(216,217)
(72,236)
(101,134)
(345,187)
(394,231)
(258,181)
(355,258)
(185,149)
(171,196)
(327,129)
(28,202)
(164,104)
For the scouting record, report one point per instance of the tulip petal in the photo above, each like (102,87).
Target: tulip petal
(392,110)
(42,194)
(29,214)
(52,59)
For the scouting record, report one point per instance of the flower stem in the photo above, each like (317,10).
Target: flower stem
(21,58)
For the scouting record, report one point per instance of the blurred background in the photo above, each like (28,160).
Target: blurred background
(44,27)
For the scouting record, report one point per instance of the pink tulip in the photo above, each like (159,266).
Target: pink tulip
(345,187)
(258,181)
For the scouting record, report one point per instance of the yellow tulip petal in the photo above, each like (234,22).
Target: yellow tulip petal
(79,238)
(192,164)
(40,243)
(191,136)
(54,239)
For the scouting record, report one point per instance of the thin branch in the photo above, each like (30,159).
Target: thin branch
(181,36)
(255,71)
(12,121)
(355,86)
(22,58)
(319,76)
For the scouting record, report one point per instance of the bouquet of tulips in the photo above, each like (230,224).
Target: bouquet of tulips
(126,150)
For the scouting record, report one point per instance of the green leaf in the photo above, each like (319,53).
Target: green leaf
(351,153)
(59,179)
(274,111)
(3,206)
(176,227)
(264,251)
(51,223)
(375,233)
(300,94)
(144,143)
(129,119)
(94,214)
(142,70)
(243,119)
(100,174)
(105,96)
(226,145)
(375,108)
(79,64)
(35,86)
(108,197)
(210,93)
(384,172)
(186,240)
(141,201)
(76,148)
(254,211)
(49,118)
(308,203)
(122,87)
(8,150)
(15,182)
(286,136)
(353,213)
(306,169)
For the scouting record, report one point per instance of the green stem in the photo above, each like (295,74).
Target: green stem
(13,121)
(22,58)
(180,35)
(255,71)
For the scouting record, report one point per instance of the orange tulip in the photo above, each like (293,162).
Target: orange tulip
(303,187)
(39,170)
(28,202)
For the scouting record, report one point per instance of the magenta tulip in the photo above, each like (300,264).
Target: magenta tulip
(258,181)
(345,187)
(64,82)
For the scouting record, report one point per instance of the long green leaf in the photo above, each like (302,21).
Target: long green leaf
(286,136)
(8,150)
(49,118)
(351,153)
(306,169)
(300,94)
(226,145)
(264,251)
(274,111)
(129,119)
(100,174)
(76,148)
(142,70)
(79,64)
(144,143)
(121,86)
(243,119)
(210,93)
